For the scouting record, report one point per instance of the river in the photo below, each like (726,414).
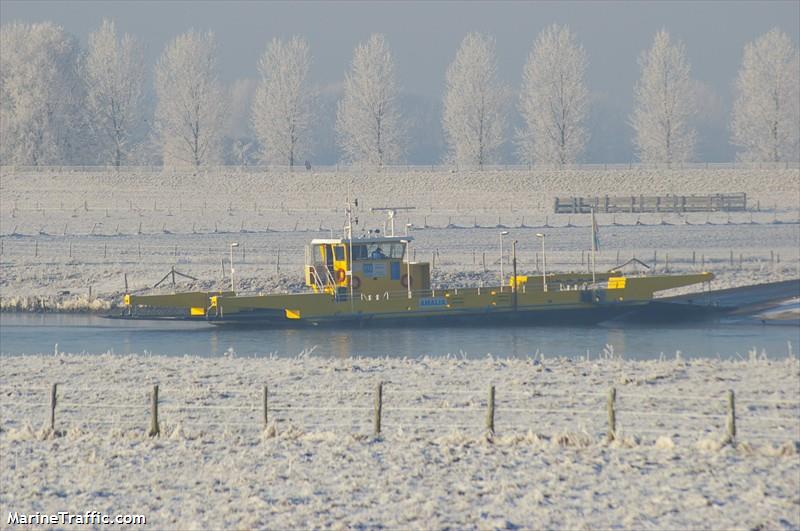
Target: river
(77,333)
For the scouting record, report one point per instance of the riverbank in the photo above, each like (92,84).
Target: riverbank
(319,465)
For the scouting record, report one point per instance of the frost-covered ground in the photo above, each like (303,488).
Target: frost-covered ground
(317,465)
(63,233)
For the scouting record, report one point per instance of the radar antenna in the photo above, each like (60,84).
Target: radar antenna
(391,212)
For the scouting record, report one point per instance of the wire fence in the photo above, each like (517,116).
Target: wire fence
(348,168)
(277,254)
(158,204)
(610,415)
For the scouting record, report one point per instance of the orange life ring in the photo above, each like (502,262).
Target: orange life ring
(340,275)
(405,280)
(356,282)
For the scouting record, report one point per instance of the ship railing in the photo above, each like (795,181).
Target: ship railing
(329,277)
(479,290)
(316,279)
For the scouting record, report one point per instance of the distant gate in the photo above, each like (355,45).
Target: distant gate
(736,202)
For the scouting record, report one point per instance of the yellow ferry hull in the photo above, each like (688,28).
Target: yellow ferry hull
(561,303)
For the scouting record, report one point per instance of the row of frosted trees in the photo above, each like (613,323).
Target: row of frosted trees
(60,104)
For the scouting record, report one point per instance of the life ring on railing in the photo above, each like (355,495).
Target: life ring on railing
(340,275)
(405,280)
(355,282)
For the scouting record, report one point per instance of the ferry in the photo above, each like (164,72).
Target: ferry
(372,280)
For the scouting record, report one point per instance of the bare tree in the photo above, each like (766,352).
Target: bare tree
(367,119)
(474,104)
(553,100)
(41,95)
(766,112)
(281,113)
(664,104)
(114,74)
(191,102)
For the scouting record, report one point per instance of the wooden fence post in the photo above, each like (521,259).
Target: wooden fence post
(376,421)
(731,424)
(266,406)
(490,411)
(612,415)
(53,400)
(154,429)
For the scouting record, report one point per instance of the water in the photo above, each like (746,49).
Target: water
(38,333)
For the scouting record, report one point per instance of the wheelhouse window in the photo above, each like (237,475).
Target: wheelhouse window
(360,252)
(378,251)
(397,250)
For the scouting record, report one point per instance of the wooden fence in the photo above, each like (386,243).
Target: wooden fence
(736,202)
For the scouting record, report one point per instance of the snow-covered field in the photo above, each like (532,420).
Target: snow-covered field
(318,464)
(65,232)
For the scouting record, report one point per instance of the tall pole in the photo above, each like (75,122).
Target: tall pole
(501,262)
(349,230)
(408,267)
(502,274)
(544,262)
(408,260)
(233,283)
(514,265)
(594,247)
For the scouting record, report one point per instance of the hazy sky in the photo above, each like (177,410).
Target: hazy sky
(425,35)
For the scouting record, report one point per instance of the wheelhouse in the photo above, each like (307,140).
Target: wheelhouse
(372,265)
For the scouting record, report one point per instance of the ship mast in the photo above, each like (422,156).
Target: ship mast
(349,235)
(594,248)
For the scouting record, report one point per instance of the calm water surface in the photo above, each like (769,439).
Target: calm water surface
(38,333)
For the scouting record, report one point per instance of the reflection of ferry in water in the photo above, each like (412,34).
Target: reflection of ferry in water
(372,280)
